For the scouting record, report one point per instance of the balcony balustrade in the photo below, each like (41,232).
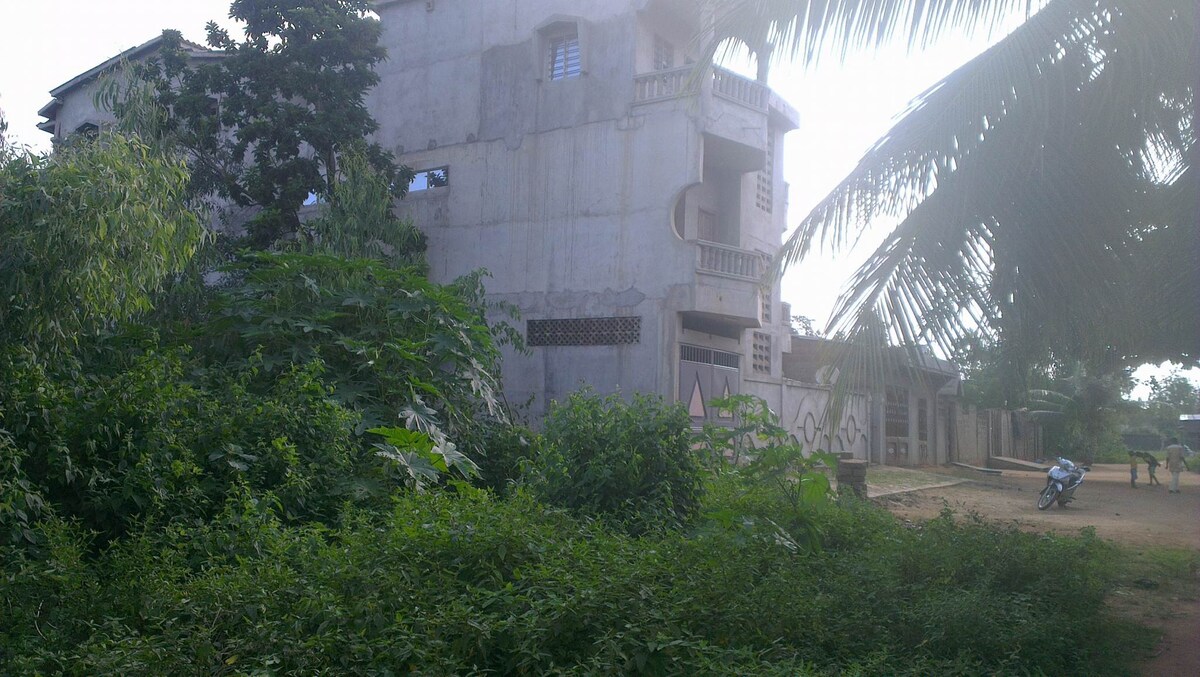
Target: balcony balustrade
(720,259)
(677,82)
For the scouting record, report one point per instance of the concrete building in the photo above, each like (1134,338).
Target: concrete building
(623,204)
(73,106)
(624,201)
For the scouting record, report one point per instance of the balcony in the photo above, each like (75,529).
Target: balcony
(726,106)
(719,259)
(678,82)
(726,296)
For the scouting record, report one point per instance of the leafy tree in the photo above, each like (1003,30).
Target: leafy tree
(88,235)
(267,122)
(358,221)
(1081,412)
(1170,397)
(1045,190)
(998,375)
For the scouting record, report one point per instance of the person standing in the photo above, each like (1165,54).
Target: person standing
(1132,471)
(1175,463)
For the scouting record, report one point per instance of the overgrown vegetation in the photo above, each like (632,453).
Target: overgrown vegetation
(304,465)
(453,583)
(628,462)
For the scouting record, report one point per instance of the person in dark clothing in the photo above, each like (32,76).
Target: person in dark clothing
(1151,465)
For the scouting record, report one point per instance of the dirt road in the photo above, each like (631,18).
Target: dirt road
(1142,517)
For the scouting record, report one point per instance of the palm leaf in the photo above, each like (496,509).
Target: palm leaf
(1039,188)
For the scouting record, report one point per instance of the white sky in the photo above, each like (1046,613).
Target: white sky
(843,107)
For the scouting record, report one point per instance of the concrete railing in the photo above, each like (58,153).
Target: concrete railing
(668,84)
(734,87)
(725,260)
(658,85)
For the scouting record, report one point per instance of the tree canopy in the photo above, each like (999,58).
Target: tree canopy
(267,121)
(87,235)
(1044,191)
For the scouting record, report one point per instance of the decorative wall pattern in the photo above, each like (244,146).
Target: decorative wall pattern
(584,331)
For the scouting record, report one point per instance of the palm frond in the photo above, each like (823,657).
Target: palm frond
(807,30)
(1027,184)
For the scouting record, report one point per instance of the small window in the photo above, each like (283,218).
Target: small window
(565,59)
(664,54)
(430,178)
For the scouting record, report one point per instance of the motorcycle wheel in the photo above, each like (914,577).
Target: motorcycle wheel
(1047,497)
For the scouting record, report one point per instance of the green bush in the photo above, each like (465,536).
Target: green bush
(630,462)
(156,440)
(508,451)
(470,583)
(396,345)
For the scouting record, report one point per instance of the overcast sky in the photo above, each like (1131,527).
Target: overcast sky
(843,107)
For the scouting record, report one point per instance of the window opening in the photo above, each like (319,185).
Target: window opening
(664,54)
(565,59)
(717,358)
(896,414)
(430,178)
(88,129)
(706,225)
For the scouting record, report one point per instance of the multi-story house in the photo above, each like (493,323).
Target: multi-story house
(624,200)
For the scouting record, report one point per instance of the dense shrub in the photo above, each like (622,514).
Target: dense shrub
(396,345)
(468,583)
(508,452)
(630,462)
(154,440)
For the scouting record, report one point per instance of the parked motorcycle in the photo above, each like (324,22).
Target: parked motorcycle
(1061,482)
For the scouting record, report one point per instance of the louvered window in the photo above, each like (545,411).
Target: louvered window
(565,60)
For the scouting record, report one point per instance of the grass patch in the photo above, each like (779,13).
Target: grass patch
(888,478)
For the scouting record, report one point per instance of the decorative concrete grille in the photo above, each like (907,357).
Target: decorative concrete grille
(761,353)
(585,331)
(717,358)
(766,307)
(765,195)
